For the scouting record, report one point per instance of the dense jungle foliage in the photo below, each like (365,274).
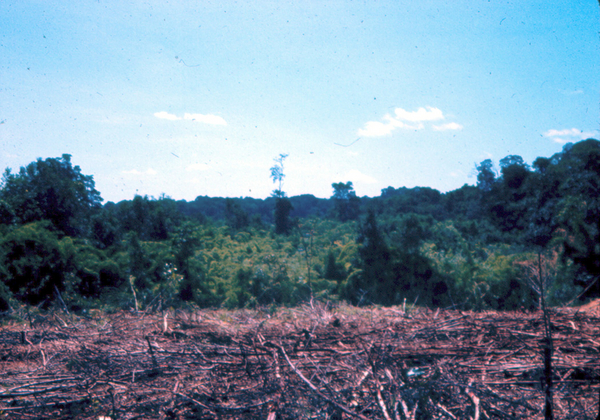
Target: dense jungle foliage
(477,247)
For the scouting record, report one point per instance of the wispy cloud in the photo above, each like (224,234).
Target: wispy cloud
(206,119)
(449,126)
(163,115)
(150,171)
(376,129)
(407,120)
(421,114)
(568,135)
(202,118)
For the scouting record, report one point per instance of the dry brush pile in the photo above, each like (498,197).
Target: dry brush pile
(308,362)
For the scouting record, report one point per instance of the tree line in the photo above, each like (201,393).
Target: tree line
(471,248)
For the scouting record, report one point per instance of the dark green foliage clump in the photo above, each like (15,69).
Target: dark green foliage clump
(283,208)
(52,190)
(33,263)
(346,204)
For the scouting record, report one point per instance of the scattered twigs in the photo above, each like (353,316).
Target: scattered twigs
(375,364)
(35,392)
(380,400)
(316,390)
(198,403)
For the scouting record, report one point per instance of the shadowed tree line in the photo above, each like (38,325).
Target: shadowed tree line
(465,248)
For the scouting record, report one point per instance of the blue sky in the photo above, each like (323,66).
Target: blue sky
(192,98)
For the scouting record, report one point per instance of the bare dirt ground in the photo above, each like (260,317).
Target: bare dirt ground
(308,362)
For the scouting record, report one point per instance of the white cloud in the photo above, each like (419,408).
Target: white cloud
(566,132)
(196,167)
(203,118)
(150,171)
(376,129)
(396,123)
(356,176)
(379,129)
(449,126)
(163,115)
(421,114)
(567,135)
(207,119)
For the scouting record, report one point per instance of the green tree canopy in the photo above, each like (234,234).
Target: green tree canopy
(33,263)
(346,203)
(236,217)
(376,281)
(283,208)
(486,175)
(53,190)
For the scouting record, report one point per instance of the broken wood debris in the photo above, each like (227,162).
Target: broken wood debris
(375,364)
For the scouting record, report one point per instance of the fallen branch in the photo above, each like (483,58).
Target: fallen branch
(409,414)
(381,403)
(475,400)
(316,390)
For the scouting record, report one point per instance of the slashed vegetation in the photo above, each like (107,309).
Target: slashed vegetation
(315,361)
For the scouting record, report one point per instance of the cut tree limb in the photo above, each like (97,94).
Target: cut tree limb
(316,390)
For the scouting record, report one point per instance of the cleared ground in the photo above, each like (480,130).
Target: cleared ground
(309,362)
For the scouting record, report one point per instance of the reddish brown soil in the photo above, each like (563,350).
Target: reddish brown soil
(308,362)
